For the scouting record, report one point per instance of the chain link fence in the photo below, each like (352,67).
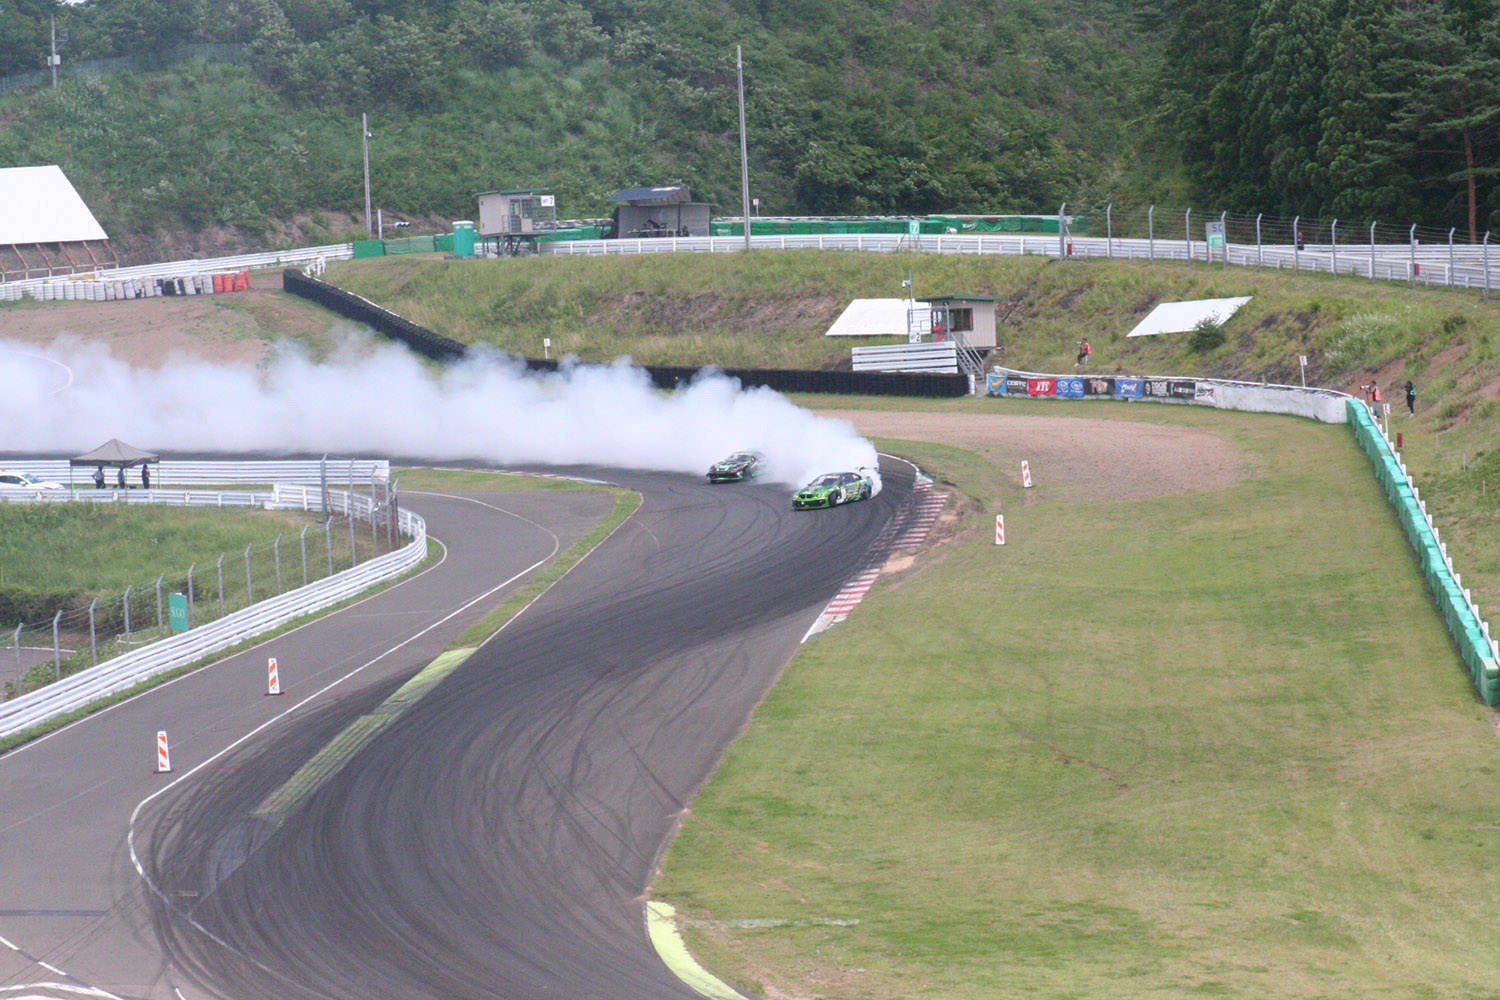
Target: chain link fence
(81,635)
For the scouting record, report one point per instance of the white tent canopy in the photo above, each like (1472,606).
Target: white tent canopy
(39,205)
(872,318)
(1180,317)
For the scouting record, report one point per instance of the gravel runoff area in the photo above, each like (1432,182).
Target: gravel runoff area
(1081,456)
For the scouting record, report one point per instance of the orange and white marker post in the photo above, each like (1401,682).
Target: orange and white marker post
(273,679)
(1026,475)
(999,529)
(163,756)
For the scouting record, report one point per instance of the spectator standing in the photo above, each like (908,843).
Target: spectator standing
(1375,397)
(1411,397)
(1084,350)
(120,478)
(145,476)
(98,477)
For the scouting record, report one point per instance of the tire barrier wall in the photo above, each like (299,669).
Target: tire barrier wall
(1471,633)
(362,310)
(440,348)
(132,288)
(1256,397)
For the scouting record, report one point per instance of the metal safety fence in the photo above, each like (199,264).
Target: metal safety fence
(350,472)
(89,650)
(1372,250)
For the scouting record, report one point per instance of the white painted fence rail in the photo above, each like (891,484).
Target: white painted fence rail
(194,472)
(122,672)
(58,287)
(1470,266)
(1461,267)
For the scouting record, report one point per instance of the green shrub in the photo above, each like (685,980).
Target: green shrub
(1364,340)
(1207,335)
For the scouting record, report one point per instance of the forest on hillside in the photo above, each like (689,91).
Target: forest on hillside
(235,113)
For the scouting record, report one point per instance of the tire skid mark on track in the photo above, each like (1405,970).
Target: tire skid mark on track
(496,840)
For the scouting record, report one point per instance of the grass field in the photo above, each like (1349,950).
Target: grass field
(1206,745)
(770,310)
(103,548)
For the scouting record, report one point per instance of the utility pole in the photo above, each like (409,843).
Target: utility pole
(744,158)
(54,58)
(364,138)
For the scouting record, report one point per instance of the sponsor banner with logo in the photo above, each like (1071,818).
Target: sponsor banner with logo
(1016,385)
(994,383)
(1204,393)
(1130,388)
(1163,388)
(1098,387)
(1070,388)
(1040,386)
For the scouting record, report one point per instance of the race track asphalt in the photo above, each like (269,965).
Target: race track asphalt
(494,839)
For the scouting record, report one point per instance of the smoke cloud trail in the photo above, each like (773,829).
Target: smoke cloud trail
(73,394)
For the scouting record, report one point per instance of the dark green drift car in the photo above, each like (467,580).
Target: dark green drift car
(833,489)
(740,465)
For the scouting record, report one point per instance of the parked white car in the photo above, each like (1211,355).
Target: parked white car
(10,481)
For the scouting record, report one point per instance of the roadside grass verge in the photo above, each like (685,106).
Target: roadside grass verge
(479,479)
(1212,744)
(99,548)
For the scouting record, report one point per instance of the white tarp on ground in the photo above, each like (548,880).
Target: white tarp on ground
(1180,317)
(39,205)
(871,318)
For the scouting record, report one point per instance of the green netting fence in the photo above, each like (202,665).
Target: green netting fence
(1469,633)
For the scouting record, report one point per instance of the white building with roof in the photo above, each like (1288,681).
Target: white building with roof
(45,227)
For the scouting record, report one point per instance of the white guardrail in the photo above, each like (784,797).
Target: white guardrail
(138,281)
(1454,267)
(79,690)
(1429,264)
(193,472)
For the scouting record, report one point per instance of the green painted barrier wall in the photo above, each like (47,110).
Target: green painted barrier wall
(1457,613)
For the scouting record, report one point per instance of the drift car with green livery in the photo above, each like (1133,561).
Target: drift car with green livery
(833,489)
(740,465)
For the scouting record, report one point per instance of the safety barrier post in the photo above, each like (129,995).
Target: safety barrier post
(127,618)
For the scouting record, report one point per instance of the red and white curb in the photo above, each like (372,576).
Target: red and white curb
(910,527)
(929,506)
